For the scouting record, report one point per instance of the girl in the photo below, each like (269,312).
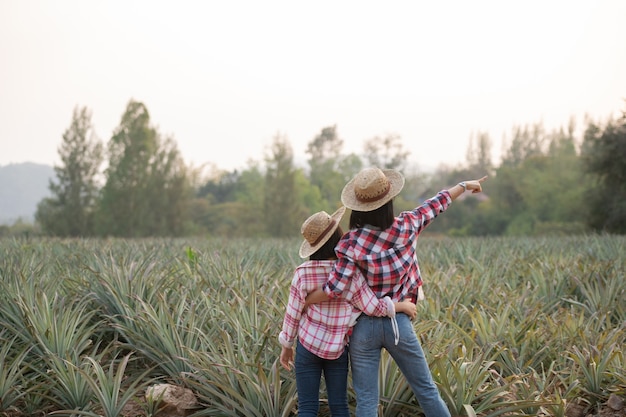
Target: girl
(382,248)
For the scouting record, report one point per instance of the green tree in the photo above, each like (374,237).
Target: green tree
(603,153)
(386,153)
(540,186)
(169,192)
(250,195)
(70,210)
(283,213)
(555,185)
(510,214)
(526,142)
(348,166)
(479,155)
(229,203)
(147,190)
(325,161)
(222,187)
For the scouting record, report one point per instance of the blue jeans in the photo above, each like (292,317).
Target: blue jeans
(309,368)
(369,336)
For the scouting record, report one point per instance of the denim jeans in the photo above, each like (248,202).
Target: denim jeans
(309,368)
(369,336)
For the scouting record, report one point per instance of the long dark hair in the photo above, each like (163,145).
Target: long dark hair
(381,217)
(327,251)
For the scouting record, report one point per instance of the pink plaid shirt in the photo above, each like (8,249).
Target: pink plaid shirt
(386,258)
(322,328)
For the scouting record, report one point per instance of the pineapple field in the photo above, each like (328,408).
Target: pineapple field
(510,326)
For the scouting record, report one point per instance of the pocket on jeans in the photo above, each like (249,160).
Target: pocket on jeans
(363,331)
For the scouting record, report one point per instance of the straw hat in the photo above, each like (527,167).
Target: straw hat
(372,188)
(317,229)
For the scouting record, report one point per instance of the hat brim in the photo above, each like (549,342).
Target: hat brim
(306,249)
(348,196)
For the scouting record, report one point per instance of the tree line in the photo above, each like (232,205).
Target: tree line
(545,183)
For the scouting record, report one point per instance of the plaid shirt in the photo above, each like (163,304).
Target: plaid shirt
(322,328)
(386,258)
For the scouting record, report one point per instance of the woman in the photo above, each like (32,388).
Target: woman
(382,248)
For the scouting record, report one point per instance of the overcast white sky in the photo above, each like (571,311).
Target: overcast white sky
(224,77)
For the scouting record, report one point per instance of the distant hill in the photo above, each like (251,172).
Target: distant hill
(22,187)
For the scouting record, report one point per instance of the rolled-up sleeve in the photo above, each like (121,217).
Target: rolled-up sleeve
(293,313)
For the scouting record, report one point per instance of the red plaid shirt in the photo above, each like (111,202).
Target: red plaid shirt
(322,328)
(386,258)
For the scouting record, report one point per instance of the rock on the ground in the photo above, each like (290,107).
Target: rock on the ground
(615,402)
(174,400)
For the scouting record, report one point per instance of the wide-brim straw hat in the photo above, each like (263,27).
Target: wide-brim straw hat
(372,188)
(317,229)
